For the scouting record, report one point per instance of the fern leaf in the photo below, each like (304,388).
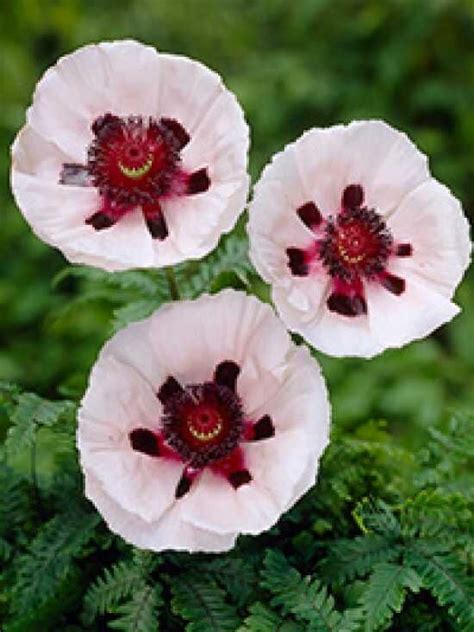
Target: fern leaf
(385,593)
(198,599)
(263,619)
(49,560)
(348,559)
(446,578)
(118,582)
(130,312)
(309,602)
(231,256)
(374,515)
(139,614)
(30,413)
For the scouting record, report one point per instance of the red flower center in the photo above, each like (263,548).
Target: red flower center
(133,162)
(353,247)
(202,426)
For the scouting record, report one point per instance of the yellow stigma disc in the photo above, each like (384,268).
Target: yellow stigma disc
(137,172)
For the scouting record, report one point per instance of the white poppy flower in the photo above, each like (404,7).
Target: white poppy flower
(200,423)
(131,158)
(362,247)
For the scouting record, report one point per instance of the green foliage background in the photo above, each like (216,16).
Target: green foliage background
(386,540)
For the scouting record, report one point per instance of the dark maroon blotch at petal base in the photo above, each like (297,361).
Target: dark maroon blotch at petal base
(297,262)
(404,250)
(183,486)
(145,441)
(100,220)
(198,182)
(352,196)
(310,215)
(263,428)
(239,478)
(226,374)
(169,389)
(155,221)
(347,305)
(393,283)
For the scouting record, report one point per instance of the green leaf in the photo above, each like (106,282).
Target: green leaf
(139,614)
(385,593)
(263,619)
(348,559)
(49,559)
(30,413)
(308,601)
(445,576)
(198,599)
(131,312)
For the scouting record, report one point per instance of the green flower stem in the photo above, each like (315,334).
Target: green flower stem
(172,283)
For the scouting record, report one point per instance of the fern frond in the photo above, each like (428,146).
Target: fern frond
(263,619)
(374,515)
(135,310)
(385,593)
(230,256)
(30,413)
(49,560)
(118,582)
(348,559)
(140,613)
(238,576)
(198,599)
(309,602)
(445,576)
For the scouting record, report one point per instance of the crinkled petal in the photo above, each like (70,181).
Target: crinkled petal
(117,401)
(431,220)
(396,320)
(170,532)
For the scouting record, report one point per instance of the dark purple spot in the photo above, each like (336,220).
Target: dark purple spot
(145,441)
(226,374)
(169,389)
(263,428)
(393,283)
(180,134)
(155,221)
(297,262)
(310,214)
(75,175)
(346,305)
(183,486)
(198,182)
(239,478)
(353,196)
(404,250)
(100,220)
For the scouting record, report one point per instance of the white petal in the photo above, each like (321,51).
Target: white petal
(117,401)
(57,214)
(117,77)
(385,162)
(396,320)
(329,332)
(431,220)
(192,337)
(170,532)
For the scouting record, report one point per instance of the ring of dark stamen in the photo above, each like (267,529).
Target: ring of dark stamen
(174,420)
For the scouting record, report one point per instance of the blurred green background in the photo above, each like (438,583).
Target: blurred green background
(293,65)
